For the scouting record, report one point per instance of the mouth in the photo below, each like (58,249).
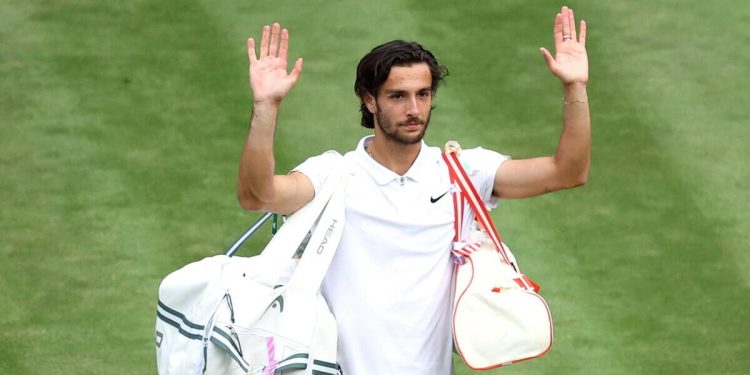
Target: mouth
(412,124)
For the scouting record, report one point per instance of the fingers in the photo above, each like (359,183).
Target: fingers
(565,27)
(565,17)
(572,22)
(274,42)
(251,51)
(284,46)
(557,30)
(582,34)
(274,47)
(264,40)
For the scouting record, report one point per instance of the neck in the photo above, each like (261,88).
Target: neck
(393,155)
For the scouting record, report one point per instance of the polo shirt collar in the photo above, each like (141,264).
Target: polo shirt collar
(383,175)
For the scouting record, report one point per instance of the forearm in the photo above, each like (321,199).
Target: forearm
(573,155)
(255,178)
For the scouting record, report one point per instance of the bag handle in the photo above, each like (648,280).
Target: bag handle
(320,249)
(285,243)
(469,193)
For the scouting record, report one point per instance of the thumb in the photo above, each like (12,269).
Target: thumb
(296,70)
(547,56)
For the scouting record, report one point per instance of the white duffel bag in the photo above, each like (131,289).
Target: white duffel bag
(498,316)
(259,315)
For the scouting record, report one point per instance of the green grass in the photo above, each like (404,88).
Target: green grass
(121,125)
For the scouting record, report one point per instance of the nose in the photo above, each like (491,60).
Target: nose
(412,107)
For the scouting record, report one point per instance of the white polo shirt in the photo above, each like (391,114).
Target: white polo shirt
(389,282)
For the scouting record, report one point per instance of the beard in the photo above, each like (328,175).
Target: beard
(396,132)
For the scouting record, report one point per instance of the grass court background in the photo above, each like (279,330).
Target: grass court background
(121,125)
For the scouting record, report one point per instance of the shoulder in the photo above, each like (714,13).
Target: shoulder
(317,168)
(330,156)
(479,157)
(480,161)
(325,160)
(482,165)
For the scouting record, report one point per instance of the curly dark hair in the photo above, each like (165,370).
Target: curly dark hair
(374,68)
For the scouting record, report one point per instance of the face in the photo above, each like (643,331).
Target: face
(402,108)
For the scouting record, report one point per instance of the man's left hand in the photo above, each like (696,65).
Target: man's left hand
(570,63)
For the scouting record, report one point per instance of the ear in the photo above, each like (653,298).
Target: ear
(370,103)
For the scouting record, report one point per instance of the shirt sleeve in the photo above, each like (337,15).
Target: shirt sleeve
(318,168)
(481,165)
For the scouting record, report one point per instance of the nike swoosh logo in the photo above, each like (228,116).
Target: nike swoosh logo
(433,200)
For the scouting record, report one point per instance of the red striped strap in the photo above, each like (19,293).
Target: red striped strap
(469,192)
(525,282)
(458,209)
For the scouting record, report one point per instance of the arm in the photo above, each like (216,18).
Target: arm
(569,167)
(258,188)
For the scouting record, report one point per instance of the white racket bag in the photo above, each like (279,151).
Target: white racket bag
(260,315)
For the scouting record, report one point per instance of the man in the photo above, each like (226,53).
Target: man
(389,282)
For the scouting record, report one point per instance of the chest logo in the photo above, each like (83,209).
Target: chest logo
(433,200)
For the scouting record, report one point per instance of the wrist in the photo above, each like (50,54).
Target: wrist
(264,114)
(265,108)
(574,86)
(575,93)
(266,103)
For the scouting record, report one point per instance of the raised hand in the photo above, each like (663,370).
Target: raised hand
(570,63)
(269,79)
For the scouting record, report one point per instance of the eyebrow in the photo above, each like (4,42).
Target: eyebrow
(392,91)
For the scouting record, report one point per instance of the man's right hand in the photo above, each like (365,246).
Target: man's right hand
(258,188)
(269,80)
